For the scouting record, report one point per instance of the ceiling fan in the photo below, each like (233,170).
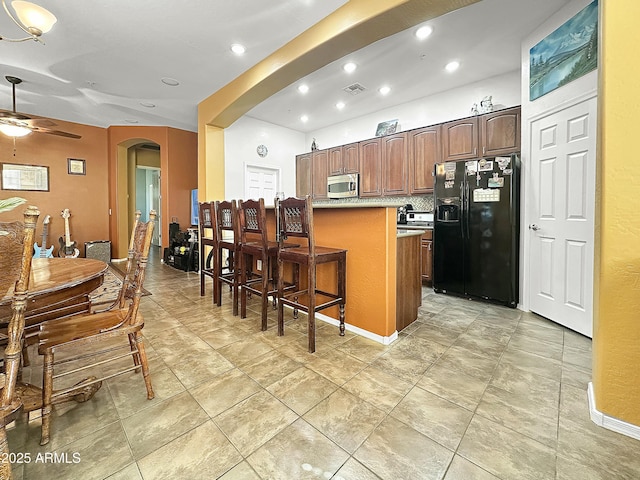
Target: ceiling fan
(15,124)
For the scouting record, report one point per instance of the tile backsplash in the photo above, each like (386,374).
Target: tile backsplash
(423,203)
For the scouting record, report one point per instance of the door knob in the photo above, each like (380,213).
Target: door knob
(534,227)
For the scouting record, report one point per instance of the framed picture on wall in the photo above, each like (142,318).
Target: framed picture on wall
(24,177)
(76,166)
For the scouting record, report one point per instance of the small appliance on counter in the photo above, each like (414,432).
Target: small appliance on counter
(402,213)
(420,219)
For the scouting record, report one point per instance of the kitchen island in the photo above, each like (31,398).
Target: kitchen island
(368,232)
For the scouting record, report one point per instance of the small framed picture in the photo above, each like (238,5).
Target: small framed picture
(76,166)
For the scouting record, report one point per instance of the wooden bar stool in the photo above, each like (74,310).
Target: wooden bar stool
(226,219)
(206,227)
(296,220)
(254,244)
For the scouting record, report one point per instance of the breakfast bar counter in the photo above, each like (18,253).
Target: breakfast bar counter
(369,234)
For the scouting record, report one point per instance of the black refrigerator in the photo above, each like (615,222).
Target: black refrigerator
(476,228)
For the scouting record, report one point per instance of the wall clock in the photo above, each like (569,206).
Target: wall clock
(262,151)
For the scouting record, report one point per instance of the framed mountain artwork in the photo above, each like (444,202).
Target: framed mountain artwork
(566,54)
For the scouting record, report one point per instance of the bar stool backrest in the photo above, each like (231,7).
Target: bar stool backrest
(296,220)
(226,217)
(252,216)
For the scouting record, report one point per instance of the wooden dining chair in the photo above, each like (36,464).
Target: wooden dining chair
(207,237)
(296,220)
(84,337)
(16,240)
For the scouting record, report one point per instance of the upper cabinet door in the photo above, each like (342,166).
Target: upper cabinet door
(460,139)
(424,152)
(335,161)
(320,167)
(394,164)
(350,163)
(500,132)
(370,159)
(303,175)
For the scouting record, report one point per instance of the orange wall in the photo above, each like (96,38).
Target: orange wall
(86,196)
(181,175)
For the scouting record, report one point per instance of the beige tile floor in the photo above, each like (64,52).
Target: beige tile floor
(469,391)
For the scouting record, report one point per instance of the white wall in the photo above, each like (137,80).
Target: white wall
(437,108)
(240,142)
(530,110)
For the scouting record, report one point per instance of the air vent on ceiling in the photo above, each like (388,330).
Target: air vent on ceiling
(354,89)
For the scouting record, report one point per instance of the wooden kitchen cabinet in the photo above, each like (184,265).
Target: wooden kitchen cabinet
(424,152)
(395,174)
(370,165)
(460,139)
(343,159)
(500,132)
(303,175)
(488,135)
(320,171)
(426,245)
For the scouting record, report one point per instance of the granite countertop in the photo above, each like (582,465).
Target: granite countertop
(413,227)
(389,204)
(408,233)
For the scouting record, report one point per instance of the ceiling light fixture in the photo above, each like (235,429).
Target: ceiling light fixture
(172,82)
(384,90)
(32,19)
(423,32)
(304,119)
(14,130)
(148,104)
(350,67)
(452,66)
(340,105)
(303,88)
(238,49)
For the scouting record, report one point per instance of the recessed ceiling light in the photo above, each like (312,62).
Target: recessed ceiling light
(172,82)
(238,49)
(384,90)
(452,66)
(147,104)
(128,120)
(423,32)
(340,105)
(349,67)
(304,118)
(303,88)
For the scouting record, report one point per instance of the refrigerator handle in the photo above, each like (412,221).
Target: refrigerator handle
(465,207)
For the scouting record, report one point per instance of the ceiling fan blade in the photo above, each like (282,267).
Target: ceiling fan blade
(50,131)
(40,122)
(14,115)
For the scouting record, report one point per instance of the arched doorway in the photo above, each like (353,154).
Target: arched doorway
(138,188)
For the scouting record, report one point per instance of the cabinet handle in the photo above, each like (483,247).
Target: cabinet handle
(429,245)
(475,151)
(483,151)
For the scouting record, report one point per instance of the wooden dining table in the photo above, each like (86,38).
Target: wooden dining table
(58,287)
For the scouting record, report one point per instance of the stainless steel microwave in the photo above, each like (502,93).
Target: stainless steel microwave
(342,186)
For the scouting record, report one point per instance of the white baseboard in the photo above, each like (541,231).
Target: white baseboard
(610,423)
(359,331)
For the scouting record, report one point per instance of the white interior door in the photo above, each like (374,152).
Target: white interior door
(261,182)
(561,209)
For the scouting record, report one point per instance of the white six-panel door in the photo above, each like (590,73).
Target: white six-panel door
(261,182)
(561,213)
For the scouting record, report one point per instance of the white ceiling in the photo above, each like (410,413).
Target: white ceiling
(104,57)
